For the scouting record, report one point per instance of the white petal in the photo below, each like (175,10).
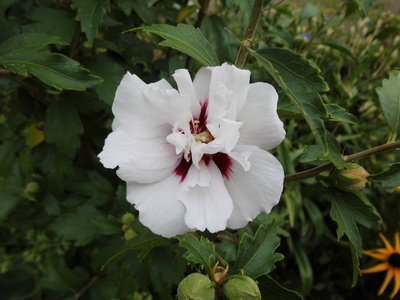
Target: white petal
(225,131)
(158,207)
(254,191)
(261,124)
(207,207)
(201,84)
(228,90)
(186,88)
(146,111)
(152,156)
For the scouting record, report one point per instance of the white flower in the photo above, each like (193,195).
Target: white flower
(193,159)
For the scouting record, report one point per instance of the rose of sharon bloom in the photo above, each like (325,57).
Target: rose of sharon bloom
(193,159)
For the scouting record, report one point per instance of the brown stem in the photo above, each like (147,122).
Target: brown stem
(200,16)
(258,9)
(91,282)
(350,158)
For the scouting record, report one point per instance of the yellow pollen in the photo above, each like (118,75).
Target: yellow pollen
(203,137)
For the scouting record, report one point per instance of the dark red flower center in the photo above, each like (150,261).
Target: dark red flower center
(202,135)
(394,260)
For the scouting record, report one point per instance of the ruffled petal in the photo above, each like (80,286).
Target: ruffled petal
(228,90)
(201,84)
(261,124)
(186,88)
(143,161)
(147,111)
(254,191)
(158,206)
(208,204)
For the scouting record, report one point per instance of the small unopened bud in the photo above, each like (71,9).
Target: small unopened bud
(32,187)
(241,287)
(351,178)
(127,218)
(196,286)
(129,234)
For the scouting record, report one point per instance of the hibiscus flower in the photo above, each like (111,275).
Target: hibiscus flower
(195,159)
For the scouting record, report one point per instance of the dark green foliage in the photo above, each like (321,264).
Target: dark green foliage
(61,229)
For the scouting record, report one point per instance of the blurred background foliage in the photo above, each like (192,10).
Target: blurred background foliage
(63,216)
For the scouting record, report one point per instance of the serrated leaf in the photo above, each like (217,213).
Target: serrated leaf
(273,290)
(186,39)
(63,126)
(53,69)
(141,7)
(199,251)
(27,42)
(59,276)
(389,178)
(145,241)
(342,47)
(256,256)
(389,98)
(348,210)
(301,83)
(112,73)
(356,264)
(90,14)
(314,153)
(79,226)
(52,22)
(338,113)
(35,135)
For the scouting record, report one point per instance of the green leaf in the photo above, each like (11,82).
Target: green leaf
(309,11)
(145,241)
(96,187)
(342,47)
(8,202)
(26,43)
(256,256)
(90,14)
(186,39)
(306,272)
(199,251)
(313,153)
(389,97)
(273,290)
(339,114)
(141,7)
(389,178)
(356,264)
(52,22)
(60,277)
(79,226)
(348,210)
(112,73)
(53,69)
(301,83)
(62,127)
(362,6)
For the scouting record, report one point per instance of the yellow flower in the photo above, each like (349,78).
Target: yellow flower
(398,188)
(391,263)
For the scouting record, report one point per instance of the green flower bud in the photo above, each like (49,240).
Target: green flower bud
(32,187)
(196,286)
(240,287)
(127,218)
(351,178)
(129,234)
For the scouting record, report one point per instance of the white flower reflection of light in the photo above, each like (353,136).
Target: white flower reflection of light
(194,159)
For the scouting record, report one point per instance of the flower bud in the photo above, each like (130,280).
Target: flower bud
(32,187)
(127,218)
(129,234)
(351,178)
(239,287)
(196,286)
